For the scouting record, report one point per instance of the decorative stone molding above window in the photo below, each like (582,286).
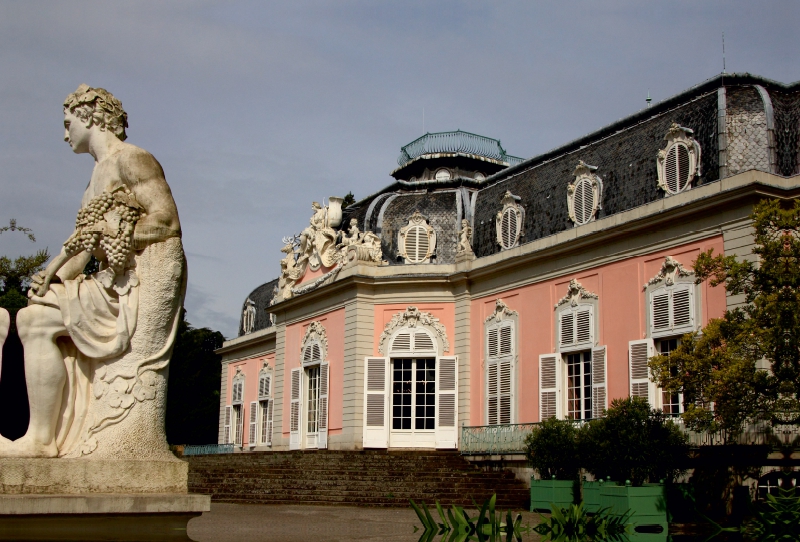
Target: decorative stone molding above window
(679,162)
(585,194)
(412,318)
(509,221)
(575,293)
(417,240)
(314,347)
(671,269)
(501,312)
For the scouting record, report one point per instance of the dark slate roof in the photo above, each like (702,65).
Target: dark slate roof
(626,162)
(261,296)
(439,207)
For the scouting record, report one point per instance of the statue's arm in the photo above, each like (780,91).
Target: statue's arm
(159,221)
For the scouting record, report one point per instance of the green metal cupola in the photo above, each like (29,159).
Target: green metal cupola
(444,156)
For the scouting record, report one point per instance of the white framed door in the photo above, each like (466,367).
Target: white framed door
(412,415)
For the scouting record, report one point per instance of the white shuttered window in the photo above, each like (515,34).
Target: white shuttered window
(500,355)
(322,436)
(672,310)
(599,376)
(253,423)
(226,432)
(576,328)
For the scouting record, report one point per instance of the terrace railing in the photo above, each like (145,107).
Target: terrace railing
(458,141)
(510,439)
(207,449)
(495,439)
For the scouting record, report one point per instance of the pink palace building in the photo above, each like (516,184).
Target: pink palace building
(478,289)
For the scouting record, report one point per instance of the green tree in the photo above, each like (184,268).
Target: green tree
(349,199)
(720,365)
(193,386)
(633,442)
(551,449)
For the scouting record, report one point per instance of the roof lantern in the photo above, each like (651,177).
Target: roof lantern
(443,156)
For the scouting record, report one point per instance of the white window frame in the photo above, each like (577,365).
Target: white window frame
(576,315)
(418,342)
(236,430)
(313,354)
(266,406)
(678,136)
(584,176)
(510,207)
(416,222)
(670,294)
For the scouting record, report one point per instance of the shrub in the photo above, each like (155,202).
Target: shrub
(633,442)
(551,449)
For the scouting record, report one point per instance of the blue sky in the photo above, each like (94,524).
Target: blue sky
(256,109)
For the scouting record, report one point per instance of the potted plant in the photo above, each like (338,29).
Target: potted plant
(639,448)
(552,451)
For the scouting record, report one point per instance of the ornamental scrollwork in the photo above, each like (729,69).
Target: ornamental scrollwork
(671,269)
(575,293)
(315,332)
(501,312)
(411,318)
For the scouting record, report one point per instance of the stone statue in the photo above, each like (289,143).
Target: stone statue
(352,237)
(248,316)
(97,347)
(465,238)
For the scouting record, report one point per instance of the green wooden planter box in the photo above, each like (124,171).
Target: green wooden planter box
(648,502)
(547,492)
(591,495)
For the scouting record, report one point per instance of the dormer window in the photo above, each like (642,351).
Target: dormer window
(584,195)
(417,240)
(442,174)
(678,163)
(509,221)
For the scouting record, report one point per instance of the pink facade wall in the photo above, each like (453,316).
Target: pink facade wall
(333,322)
(622,318)
(445,312)
(250,368)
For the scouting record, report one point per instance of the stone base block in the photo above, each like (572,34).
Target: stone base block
(127,517)
(37,476)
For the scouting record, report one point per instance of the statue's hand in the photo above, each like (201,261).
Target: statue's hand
(40,283)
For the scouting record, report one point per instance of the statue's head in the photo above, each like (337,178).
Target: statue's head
(316,206)
(98,107)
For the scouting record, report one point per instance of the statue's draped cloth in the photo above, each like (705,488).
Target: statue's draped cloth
(112,369)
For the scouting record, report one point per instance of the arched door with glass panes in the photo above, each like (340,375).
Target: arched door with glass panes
(410,395)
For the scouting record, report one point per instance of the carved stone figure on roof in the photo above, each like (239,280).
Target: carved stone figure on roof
(465,237)
(97,346)
(318,240)
(291,271)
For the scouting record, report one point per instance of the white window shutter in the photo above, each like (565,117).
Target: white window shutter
(226,431)
(639,352)
(294,409)
(584,332)
(322,438)
(492,342)
(239,415)
(682,312)
(491,394)
(505,386)
(253,434)
(268,437)
(506,343)
(447,402)
(660,311)
(550,386)
(567,328)
(599,376)
(376,388)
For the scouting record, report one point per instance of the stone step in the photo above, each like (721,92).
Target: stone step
(362,478)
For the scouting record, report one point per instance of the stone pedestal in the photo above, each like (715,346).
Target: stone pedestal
(84,499)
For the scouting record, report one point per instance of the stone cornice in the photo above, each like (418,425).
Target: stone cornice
(749,186)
